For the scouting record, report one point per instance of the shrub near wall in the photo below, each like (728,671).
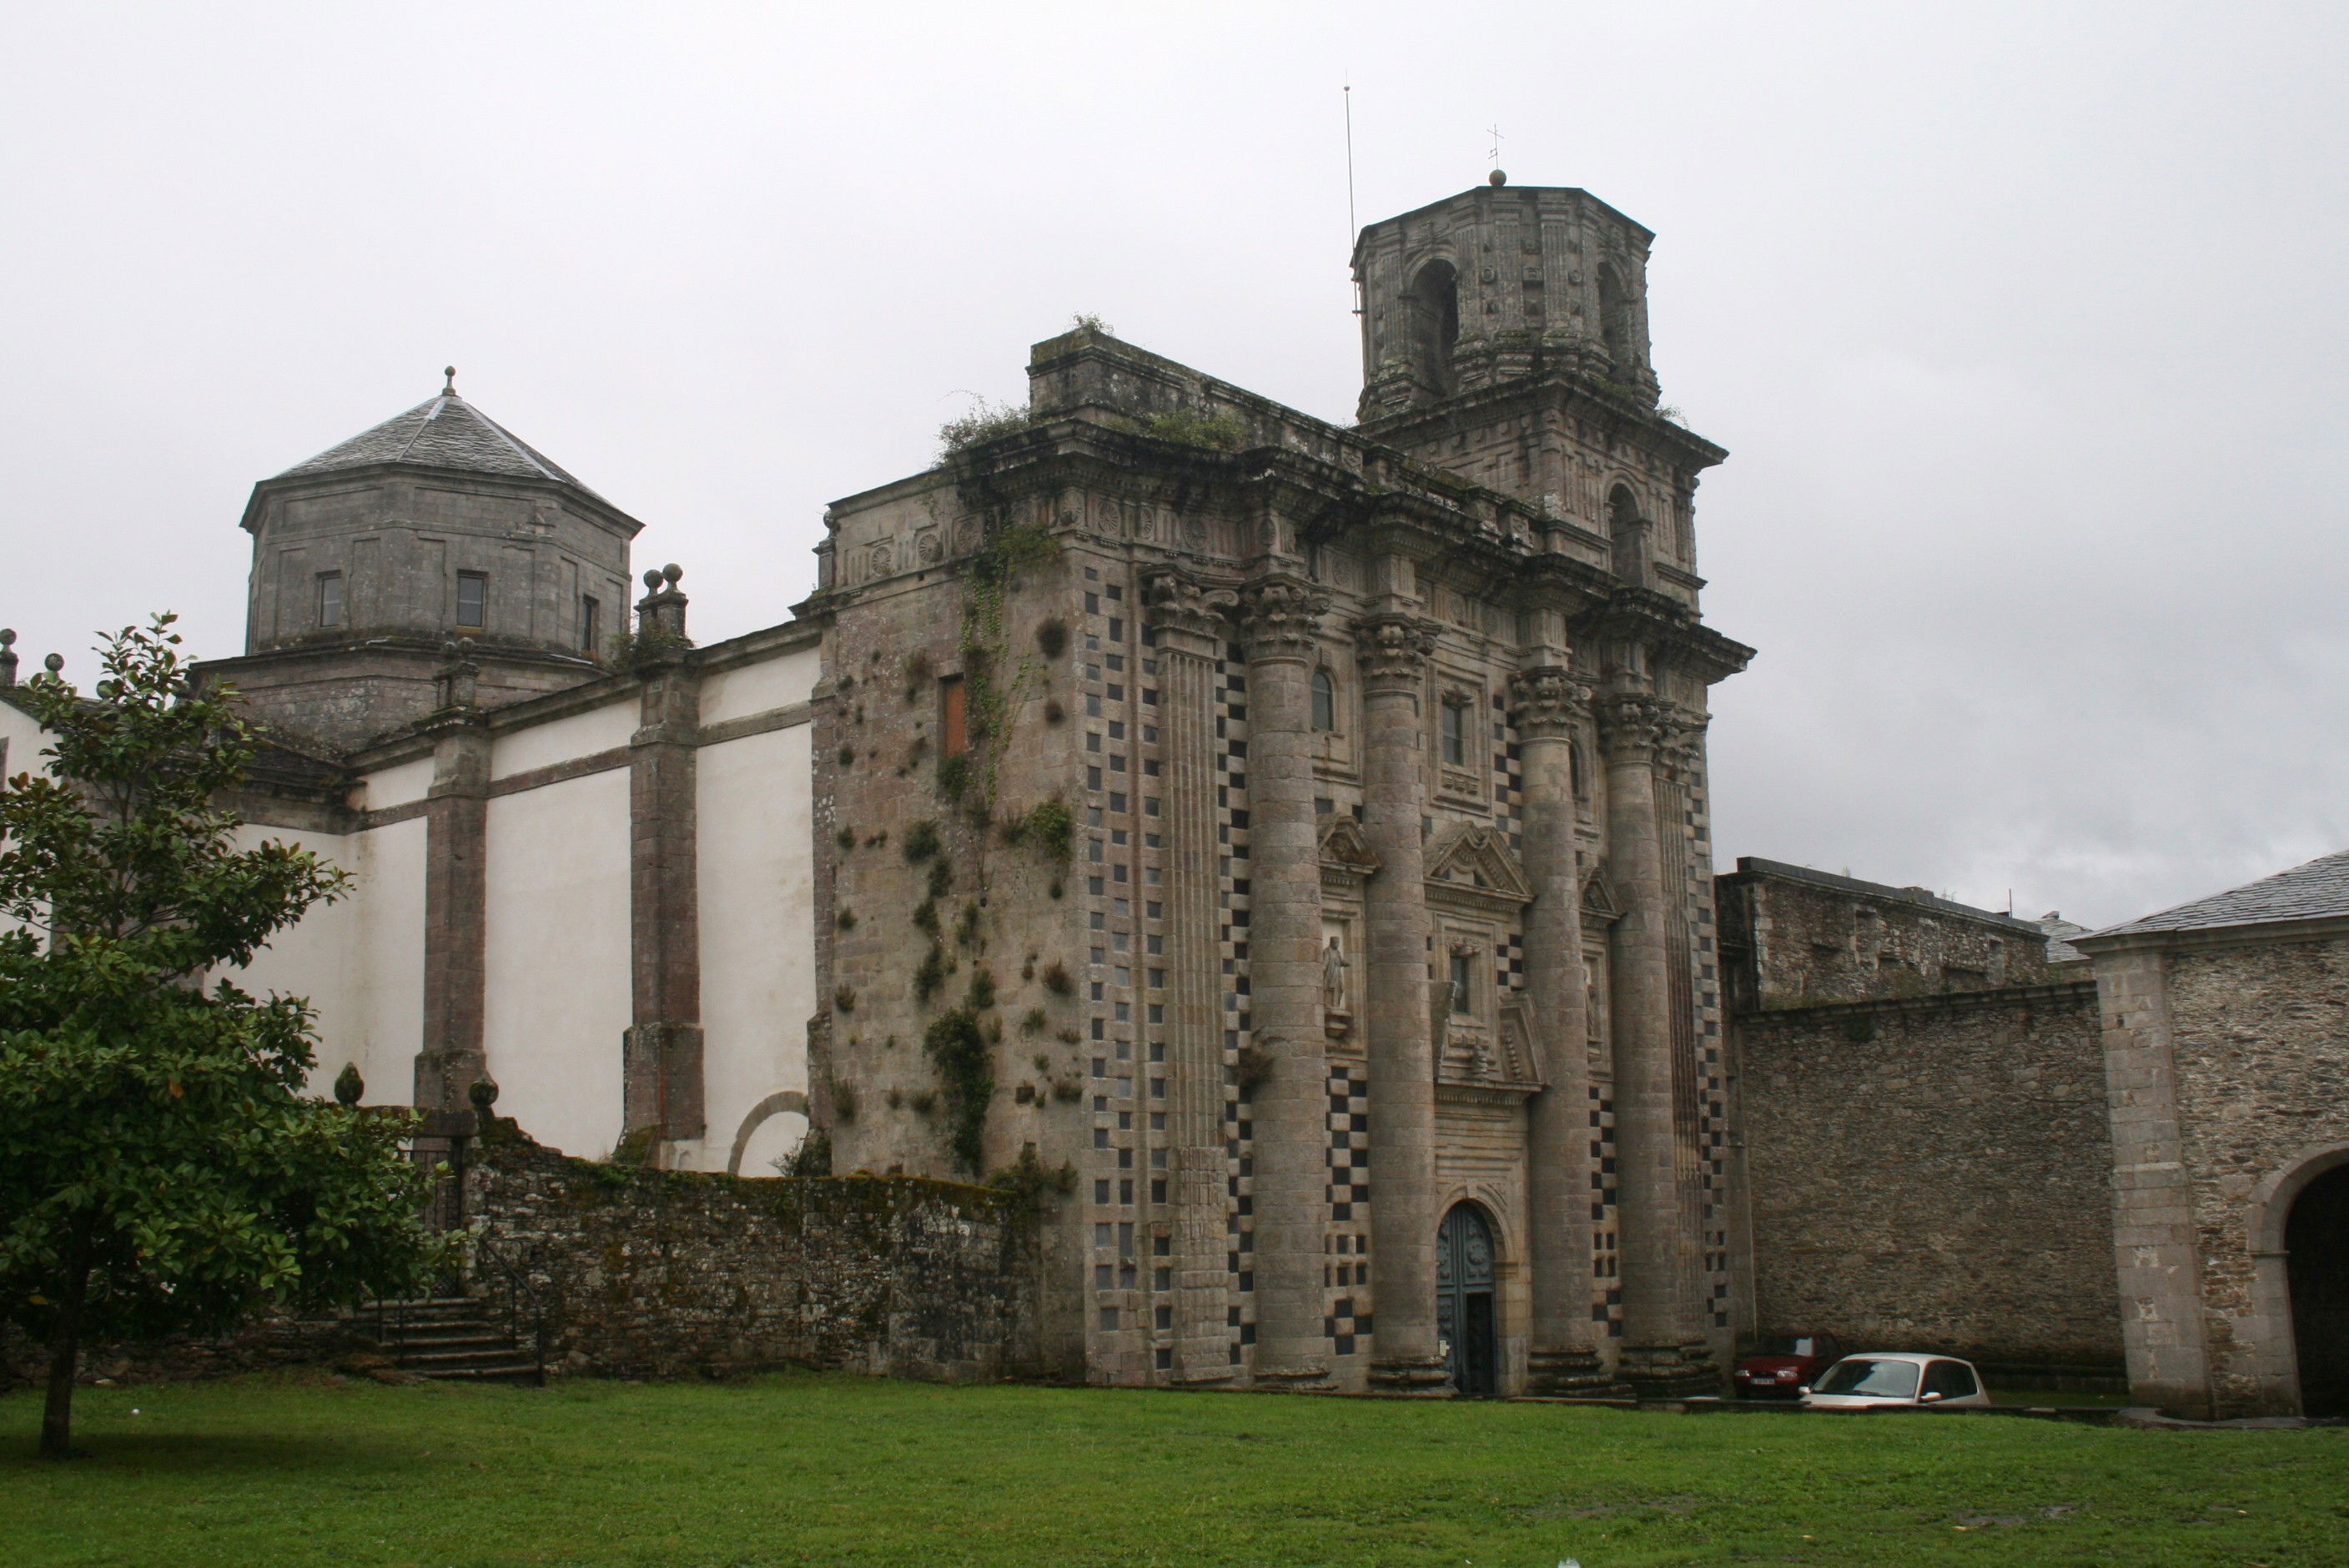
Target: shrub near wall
(664,1274)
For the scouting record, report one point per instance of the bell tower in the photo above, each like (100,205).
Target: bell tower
(1504,337)
(1499,284)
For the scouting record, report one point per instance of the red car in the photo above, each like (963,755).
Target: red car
(1782,1367)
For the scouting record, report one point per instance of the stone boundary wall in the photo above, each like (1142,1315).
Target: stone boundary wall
(270,1344)
(664,1273)
(1935,1174)
(655,1273)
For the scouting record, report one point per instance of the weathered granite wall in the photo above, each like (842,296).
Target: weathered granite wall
(1795,937)
(269,1344)
(658,1274)
(2259,1035)
(1934,1174)
(664,1274)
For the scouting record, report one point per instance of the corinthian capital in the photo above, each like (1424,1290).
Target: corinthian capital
(1280,616)
(1545,700)
(1177,602)
(1393,648)
(1679,744)
(1632,725)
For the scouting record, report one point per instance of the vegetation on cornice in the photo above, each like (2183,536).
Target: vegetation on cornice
(984,423)
(1223,432)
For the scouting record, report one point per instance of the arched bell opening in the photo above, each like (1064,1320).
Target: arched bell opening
(1467,1305)
(1433,312)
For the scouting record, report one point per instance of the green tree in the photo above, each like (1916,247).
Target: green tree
(161,1167)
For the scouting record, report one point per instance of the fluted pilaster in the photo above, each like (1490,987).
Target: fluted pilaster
(1188,621)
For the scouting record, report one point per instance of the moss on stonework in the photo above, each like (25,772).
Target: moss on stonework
(957,1050)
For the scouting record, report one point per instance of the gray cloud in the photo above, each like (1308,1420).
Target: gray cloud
(2024,325)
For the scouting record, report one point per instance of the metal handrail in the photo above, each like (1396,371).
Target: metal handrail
(522,1287)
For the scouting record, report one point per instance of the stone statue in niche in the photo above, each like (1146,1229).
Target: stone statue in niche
(1333,977)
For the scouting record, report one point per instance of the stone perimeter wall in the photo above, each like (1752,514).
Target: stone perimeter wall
(1934,1174)
(660,1273)
(664,1274)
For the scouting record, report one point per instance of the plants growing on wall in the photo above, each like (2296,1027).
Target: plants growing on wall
(957,1050)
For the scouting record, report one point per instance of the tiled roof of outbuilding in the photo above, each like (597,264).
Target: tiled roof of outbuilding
(445,433)
(2314,891)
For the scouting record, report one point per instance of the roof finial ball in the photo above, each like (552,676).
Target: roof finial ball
(672,573)
(653,579)
(1497,177)
(450,389)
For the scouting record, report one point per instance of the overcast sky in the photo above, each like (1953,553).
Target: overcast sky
(2024,327)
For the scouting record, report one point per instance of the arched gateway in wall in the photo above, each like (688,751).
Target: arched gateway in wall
(1466,1320)
(2306,1210)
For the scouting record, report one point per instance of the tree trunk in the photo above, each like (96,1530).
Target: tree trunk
(65,1358)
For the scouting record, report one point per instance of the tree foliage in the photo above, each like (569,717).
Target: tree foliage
(162,1167)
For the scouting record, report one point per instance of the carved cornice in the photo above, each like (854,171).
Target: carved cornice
(1394,649)
(1174,601)
(1545,701)
(1280,616)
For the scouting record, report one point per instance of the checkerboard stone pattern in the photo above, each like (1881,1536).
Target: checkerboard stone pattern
(1232,898)
(1346,1273)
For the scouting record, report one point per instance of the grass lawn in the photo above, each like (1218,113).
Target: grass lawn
(808,1469)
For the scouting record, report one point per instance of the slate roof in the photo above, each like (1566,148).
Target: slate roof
(445,433)
(2316,891)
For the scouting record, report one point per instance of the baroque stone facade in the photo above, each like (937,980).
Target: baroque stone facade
(1285,847)
(1377,754)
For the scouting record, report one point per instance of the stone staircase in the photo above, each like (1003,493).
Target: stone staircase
(461,1339)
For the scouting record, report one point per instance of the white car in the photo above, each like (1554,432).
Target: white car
(1897,1380)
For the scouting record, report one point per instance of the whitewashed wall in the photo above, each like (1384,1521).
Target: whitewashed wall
(758,940)
(557,950)
(556,959)
(360,960)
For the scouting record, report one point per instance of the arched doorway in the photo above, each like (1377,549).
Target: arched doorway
(1464,1301)
(2316,1256)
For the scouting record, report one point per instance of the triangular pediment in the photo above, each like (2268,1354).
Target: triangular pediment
(1346,847)
(1599,899)
(1474,859)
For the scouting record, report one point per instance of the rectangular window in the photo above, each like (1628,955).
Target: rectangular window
(472,600)
(330,598)
(954,730)
(591,623)
(1455,734)
(1463,977)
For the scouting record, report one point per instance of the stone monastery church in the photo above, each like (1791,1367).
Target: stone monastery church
(1287,841)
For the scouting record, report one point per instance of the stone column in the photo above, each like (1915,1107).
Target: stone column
(1278,621)
(1187,622)
(661,1078)
(450,1056)
(1392,647)
(1565,1359)
(1664,1351)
